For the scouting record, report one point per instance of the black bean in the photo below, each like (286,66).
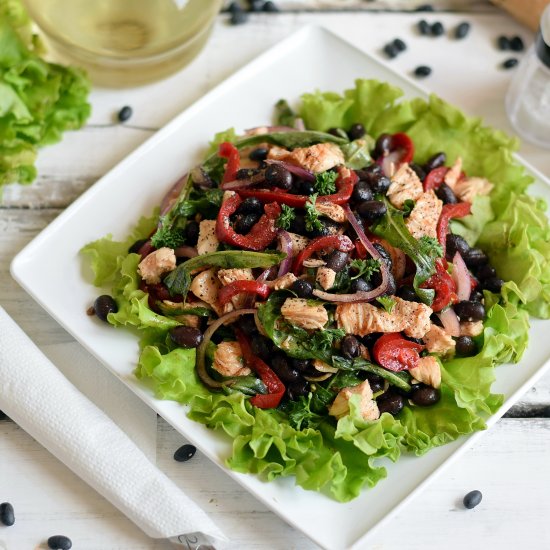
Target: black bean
(298,224)
(360,285)
(104,305)
(510,63)
(391,51)
(255,5)
(362,192)
(134,249)
(475,257)
(297,389)
(60,542)
(372,170)
(425,7)
(328,227)
(465,346)
(370,339)
(476,296)
(186,337)
(400,45)
(493,284)
(234,6)
(424,27)
(238,17)
(277,176)
(422,71)
(279,364)
(390,402)
(435,161)
(245,173)
(301,364)
(462,30)
(270,7)
(191,232)
(250,205)
(418,170)
(337,260)
(470,311)
(486,272)
(350,347)
(516,44)
(376,382)
(185,453)
(381,148)
(392,286)
(247,325)
(306,187)
(456,243)
(384,253)
(437,28)
(371,210)
(258,154)
(338,132)
(408,293)
(424,396)
(125,113)
(503,43)
(472,499)
(244,223)
(380,184)
(446,194)
(357,131)
(262,347)
(7,514)
(302,288)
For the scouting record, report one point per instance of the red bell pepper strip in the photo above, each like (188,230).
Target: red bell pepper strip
(274,385)
(259,237)
(339,242)
(435,178)
(449,211)
(403,142)
(344,188)
(395,353)
(237,287)
(444,286)
(231,153)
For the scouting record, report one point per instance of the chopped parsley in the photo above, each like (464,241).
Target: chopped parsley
(430,247)
(171,237)
(312,215)
(285,217)
(325,183)
(387,302)
(323,339)
(364,268)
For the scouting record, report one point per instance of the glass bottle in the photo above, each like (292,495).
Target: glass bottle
(528,98)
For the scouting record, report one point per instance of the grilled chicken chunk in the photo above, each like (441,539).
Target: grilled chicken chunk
(471,328)
(227,276)
(326,277)
(424,216)
(157,263)
(205,286)
(466,189)
(299,243)
(208,240)
(428,371)
(316,158)
(438,341)
(368,406)
(228,360)
(333,211)
(361,319)
(285,281)
(405,185)
(297,312)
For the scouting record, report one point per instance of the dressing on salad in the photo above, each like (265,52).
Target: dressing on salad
(330,299)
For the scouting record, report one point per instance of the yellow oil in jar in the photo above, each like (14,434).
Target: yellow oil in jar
(125,42)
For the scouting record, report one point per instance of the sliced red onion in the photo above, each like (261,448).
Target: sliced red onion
(185,252)
(285,245)
(299,124)
(262,278)
(296,170)
(389,162)
(450,321)
(206,379)
(360,296)
(461,277)
(172,196)
(241,184)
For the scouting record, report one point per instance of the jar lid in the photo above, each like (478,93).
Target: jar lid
(542,41)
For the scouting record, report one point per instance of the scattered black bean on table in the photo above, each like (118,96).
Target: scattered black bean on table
(516,44)
(510,63)
(503,43)
(7,514)
(270,7)
(125,113)
(238,17)
(400,45)
(390,50)
(104,305)
(424,27)
(437,28)
(422,71)
(462,30)
(472,499)
(60,542)
(425,7)
(185,452)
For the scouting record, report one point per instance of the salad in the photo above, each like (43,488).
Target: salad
(338,288)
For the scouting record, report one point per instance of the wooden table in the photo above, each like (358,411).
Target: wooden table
(509,465)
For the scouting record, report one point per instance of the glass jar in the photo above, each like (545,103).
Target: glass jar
(125,42)
(528,98)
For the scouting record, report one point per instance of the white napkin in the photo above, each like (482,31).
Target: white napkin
(47,406)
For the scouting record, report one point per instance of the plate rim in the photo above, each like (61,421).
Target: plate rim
(18,263)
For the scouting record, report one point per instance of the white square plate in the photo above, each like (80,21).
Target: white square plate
(50,269)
